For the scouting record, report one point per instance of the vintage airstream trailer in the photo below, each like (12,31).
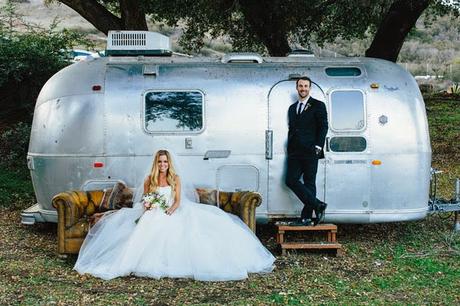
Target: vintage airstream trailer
(99,121)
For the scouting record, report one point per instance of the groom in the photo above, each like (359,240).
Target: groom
(307,131)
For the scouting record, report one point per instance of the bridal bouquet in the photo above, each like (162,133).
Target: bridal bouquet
(154,200)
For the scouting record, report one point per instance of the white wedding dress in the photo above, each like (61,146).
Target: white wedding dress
(197,241)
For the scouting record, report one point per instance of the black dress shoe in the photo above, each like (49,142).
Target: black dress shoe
(301,222)
(306,222)
(319,211)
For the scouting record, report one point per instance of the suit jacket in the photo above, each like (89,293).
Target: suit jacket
(307,130)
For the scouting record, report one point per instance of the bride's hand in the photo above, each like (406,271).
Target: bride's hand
(171,209)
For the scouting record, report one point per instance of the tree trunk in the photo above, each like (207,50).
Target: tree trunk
(133,15)
(277,44)
(392,32)
(267,25)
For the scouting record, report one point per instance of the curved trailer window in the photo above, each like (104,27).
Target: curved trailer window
(347,110)
(347,144)
(343,71)
(173,111)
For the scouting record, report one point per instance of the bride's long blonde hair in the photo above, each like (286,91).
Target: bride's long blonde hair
(155,172)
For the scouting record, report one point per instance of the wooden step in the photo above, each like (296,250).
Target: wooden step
(330,243)
(319,227)
(299,245)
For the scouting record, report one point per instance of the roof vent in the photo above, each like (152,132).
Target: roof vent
(301,53)
(133,43)
(248,57)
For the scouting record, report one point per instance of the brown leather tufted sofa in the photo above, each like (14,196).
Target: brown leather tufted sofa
(76,207)
(243,204)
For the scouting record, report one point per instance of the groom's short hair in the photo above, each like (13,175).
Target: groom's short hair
(304,78)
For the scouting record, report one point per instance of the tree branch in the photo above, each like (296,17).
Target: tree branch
(96,14)
(392,32)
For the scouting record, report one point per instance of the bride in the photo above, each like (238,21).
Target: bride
(185,239)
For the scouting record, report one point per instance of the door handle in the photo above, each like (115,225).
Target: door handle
(268,144)
(327,144)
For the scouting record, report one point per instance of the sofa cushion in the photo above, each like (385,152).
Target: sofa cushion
(207,196)
(117,197)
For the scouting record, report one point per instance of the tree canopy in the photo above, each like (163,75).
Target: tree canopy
(273,27)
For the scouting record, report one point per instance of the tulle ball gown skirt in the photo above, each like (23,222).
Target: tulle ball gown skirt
(197,241)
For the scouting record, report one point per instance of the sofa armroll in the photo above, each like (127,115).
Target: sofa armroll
(248,203)
(73,207)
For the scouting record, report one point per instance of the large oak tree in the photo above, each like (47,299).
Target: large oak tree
(272,26)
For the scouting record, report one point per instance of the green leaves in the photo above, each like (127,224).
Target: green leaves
(29,56)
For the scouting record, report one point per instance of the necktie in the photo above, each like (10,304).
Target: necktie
(300,109)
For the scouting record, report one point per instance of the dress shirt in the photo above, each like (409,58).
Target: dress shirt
(302,104)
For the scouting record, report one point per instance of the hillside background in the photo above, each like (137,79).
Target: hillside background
(432,52)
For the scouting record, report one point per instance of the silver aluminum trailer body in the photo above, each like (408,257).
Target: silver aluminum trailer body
(378,154)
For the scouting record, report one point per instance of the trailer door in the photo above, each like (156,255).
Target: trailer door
(281,200)
(347,165)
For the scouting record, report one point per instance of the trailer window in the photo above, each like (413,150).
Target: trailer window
(343,71)
(173,111)
(347,144)
(347,110)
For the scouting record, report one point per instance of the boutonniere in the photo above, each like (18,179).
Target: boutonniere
(307,106)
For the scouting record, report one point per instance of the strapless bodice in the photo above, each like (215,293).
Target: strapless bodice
(166,191)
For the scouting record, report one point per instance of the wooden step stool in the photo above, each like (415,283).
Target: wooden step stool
(329,244)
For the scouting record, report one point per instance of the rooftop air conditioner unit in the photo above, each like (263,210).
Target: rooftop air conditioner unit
(134,43)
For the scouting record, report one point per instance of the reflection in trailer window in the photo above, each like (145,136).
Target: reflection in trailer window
(348,144)
(347,110)
(173,111)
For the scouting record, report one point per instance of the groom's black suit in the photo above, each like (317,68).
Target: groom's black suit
(306,131)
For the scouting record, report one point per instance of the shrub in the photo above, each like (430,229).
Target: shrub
(29,56)
(14,143)
(16,189)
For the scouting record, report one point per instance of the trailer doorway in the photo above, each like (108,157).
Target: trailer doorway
(347,168)
(281,200)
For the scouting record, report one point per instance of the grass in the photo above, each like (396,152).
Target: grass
(398,263)
(444,123)
(401,263)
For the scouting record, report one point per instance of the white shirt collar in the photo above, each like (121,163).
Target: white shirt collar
(305,100)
